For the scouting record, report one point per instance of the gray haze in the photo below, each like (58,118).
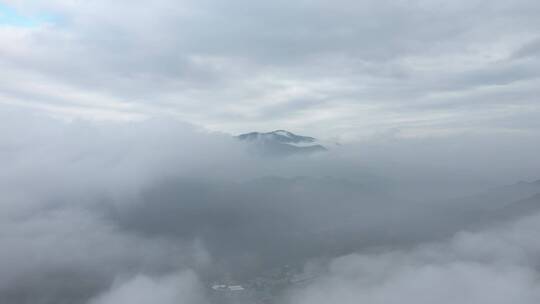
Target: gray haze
(154,210)
(123,179)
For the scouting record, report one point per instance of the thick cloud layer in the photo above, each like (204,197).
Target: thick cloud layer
(494,266)
(174,289)
(110,212)
(60,180)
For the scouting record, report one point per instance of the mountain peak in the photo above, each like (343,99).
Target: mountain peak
(280,142)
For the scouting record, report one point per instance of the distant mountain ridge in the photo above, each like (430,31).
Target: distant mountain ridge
(282,142)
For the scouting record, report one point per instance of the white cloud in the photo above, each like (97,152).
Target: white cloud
(498,265)
(181,288)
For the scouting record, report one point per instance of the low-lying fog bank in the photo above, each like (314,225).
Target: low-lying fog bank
(161,211)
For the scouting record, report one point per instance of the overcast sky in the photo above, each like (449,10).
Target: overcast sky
(337,69)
